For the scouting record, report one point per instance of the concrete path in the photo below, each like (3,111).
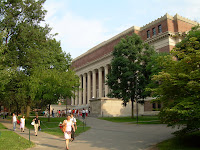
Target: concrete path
(43,141)
(104,135)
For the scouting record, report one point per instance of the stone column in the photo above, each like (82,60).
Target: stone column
(72,101)
(84,89)
(100,82)
(106,86)
(94,84)
(88,87)
(80,91)
(76,98)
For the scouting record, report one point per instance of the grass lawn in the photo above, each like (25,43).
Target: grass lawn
(141,119)
(9,140)
(188,142)
(53,128)
(2,126)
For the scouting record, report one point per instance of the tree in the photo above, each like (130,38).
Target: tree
(5,72)
(129,75)
(179,84)
(54,83)
(32,52)
(20,21)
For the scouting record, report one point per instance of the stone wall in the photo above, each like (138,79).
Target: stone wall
(108,107)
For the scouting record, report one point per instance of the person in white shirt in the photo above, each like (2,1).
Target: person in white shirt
(73,119)
(86,111)
(67,128)
(22,123)
(83,113)
(70,111)
(14,120)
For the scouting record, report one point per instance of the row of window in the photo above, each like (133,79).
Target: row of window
(154,31)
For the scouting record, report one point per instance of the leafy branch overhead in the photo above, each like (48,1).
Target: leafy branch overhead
(179,87)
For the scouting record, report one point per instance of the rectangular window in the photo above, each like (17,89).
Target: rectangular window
(159,29)
(159,105)
(154,106)
(154,31)
(148,34)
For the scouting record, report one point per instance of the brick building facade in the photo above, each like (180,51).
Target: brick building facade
(93,66)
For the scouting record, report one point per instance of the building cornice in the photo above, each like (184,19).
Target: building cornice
(134,28)
(93,62)
(167,16)
(131,29)
(178,17)
(165,34)
(150,40)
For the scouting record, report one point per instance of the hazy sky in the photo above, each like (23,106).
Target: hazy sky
(82,24)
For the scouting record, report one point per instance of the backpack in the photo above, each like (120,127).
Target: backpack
(64,128)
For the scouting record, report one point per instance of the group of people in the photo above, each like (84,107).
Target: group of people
(15,121)
(76,112)
(21,122)
(68,126)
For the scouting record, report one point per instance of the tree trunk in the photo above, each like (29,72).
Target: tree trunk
(22,110)
(9,110)
(28,108)
(132,108)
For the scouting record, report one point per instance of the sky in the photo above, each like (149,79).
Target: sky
(83,24)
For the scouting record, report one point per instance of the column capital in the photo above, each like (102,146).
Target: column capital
(94,71)
(100,69)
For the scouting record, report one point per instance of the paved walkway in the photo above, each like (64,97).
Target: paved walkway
(103,135)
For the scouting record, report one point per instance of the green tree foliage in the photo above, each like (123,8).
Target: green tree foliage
(179,84)
(5,72)
(38,62)
(129,74)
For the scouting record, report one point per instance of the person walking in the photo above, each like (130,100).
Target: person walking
(14,121)
(70,111)
(36,125)
(86,111)
(67,127)
(53,113)
(77,113)
(59,113)
(22,123)
(73,119)
(83,113)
